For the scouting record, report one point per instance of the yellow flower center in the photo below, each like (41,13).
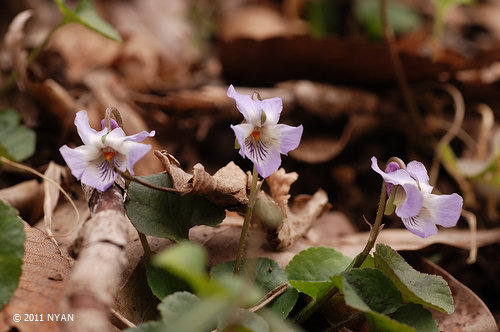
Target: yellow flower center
(256,134)
(108,153)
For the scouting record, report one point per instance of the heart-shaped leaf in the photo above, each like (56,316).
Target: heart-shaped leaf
(426,289)
(310,271)
(16,141)
(165,214)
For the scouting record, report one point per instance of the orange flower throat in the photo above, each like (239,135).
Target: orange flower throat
(256,134)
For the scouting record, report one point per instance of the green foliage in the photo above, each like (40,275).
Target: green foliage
(417,317)
(168,215)
(429,290)
(12,239)
(16,141)
(164,283)
(85,14)
(310,271)
(268,275)
(402,18)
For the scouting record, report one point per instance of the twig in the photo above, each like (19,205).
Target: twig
(458,119)
(411,105)
(472,220)
(274,293)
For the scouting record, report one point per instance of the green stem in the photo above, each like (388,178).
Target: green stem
(144,183)
(145,245)
(246,222)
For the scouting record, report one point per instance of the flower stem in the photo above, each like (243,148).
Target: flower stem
(145,245)
(246,222)
(144,183)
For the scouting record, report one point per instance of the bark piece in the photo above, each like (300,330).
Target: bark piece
(96,276)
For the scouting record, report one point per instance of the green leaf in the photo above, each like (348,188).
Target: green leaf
(16,141)
(268,275)
(381,323)
(429,290)
(238,319)
(168,215)
(86,15)
(310,270)
(417,317)
(164,283)
(403,19)
(188,261)
(176,304)
(370,290)
(12,239)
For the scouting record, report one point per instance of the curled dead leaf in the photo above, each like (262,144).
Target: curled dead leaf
(227,187)
(279,185)
(14,42)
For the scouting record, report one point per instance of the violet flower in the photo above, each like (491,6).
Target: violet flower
(94,162)
(419,210)
(260,137)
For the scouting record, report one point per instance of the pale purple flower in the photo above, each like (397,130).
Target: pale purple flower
(260,137)
(419,210)
(94,162)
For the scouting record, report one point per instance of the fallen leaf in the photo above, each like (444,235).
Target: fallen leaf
(227,187)
(14,39)
(26,197)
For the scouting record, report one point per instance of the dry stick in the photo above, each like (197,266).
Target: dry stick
(472,220)
(95,279)
(274,293)
(458,101)
(398,67)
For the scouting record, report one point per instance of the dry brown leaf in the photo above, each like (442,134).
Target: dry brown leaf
(470,315)
(41,287)
(14,42)
(26,197)
(83,50)
(227,187)
(279,186)
(51,195)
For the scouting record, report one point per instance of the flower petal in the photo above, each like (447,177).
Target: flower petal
(420,225)
(242,131)
(418,171)
(398,177)
(99,174)
(84,130)
(78,158)
(139,137)
(134,152)
(267,164)
(272,107)
(412,205)
(444,209)
(250,108)
(112,123)
(288,137)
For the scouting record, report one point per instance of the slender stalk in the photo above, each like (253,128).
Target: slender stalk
(145,245)
(341,324)
(144,183)
(411,104)
(246,222)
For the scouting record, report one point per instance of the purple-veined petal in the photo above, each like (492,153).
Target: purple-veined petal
(99,174)
(250,108)
(78,158)
(242,131)
(413,201)
(288,137)
(266,163)
(272,107)
(418,171)
(84,130)
(398,177)
(444,209)
(420,225)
